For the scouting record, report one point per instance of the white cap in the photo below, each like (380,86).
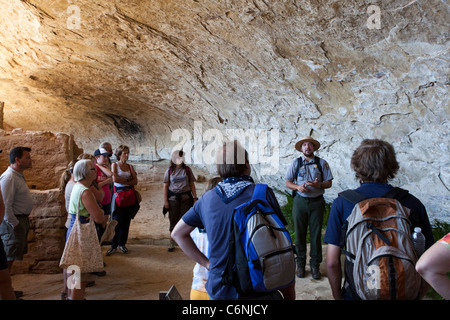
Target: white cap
(417,229)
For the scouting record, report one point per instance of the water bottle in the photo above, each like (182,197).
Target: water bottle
(418,241)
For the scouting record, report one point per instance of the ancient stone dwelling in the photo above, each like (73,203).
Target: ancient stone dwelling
(156,74)
(51,153)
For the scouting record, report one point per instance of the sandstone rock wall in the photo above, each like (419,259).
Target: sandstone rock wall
(50,152)
(135,71)
(47,234)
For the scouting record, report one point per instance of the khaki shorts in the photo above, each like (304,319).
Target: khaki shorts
(199,295)
(15,239)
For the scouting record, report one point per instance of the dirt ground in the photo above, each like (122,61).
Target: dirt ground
(148,267)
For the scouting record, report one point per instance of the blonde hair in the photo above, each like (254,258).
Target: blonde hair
(86,156)
(66,175)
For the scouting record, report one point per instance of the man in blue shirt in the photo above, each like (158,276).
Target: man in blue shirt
(214,211)
(374,163)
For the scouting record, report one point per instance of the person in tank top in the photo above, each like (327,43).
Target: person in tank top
(124,177)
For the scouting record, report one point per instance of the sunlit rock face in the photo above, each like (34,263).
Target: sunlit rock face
(134,72)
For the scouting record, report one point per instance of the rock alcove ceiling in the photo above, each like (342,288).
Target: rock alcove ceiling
(135,71)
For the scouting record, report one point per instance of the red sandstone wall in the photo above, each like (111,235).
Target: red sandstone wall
(51,152)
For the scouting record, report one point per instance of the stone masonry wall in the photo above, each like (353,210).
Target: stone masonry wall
(47,234)
(50,152)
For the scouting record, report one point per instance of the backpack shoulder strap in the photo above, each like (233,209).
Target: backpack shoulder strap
(187,171)
(260,192)
(396,193)
(352,196)
(299,165)
(317,162)
(259,197)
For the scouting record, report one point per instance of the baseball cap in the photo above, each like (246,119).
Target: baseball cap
(103,152)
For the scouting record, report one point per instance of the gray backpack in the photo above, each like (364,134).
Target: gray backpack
(260,251)
(380,256)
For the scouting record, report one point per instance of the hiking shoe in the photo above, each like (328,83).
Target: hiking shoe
(111,251)
(315,273)
(123,249)
(301,272)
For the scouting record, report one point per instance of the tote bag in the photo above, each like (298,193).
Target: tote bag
(110,231)
(82,247)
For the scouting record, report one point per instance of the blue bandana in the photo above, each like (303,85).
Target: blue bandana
(231,187)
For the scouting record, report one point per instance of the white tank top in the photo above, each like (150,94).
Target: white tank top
(123,174)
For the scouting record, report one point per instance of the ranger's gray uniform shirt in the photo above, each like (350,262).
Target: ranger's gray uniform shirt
(309,172)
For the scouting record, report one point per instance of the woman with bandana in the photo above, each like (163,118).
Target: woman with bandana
(214,211)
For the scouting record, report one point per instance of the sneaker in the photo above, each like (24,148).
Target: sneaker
(110,251)
(123,248)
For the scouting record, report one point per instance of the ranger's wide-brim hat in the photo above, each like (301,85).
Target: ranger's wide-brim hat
(316,143)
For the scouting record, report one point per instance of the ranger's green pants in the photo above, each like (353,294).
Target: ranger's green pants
(308,212)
